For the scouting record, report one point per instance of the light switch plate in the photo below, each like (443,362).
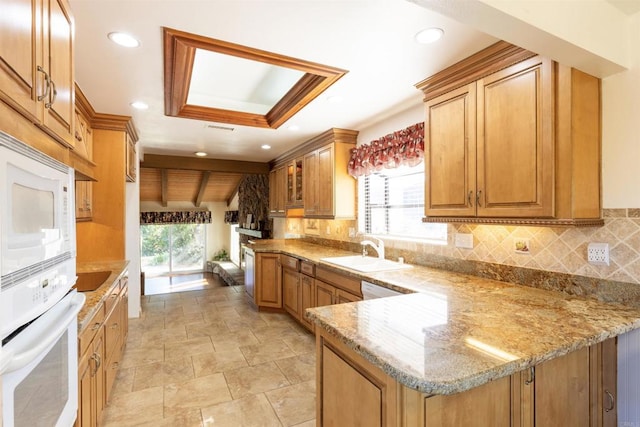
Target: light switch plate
(464,240)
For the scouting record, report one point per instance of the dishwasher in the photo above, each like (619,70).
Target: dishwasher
(372,291)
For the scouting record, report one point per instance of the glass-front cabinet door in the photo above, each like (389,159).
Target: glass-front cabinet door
(294,183)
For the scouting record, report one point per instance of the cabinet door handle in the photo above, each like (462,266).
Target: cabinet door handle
(469,198)
(478,197)
(53,94)
(612,401)
(98,361)
(532,376)
(47,81)
(114,326)
(95,326)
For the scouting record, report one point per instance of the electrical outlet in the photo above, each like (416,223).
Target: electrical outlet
(352,232)
(464,240)
(598,253)
(328,229)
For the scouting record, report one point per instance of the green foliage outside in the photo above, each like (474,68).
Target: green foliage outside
(187,245)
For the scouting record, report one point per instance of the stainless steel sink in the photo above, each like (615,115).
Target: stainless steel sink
(365,264)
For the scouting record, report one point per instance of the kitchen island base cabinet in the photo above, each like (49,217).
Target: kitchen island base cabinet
(352,393)
(574,390)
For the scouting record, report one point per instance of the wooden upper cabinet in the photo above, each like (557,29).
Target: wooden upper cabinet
(329,192)
(20,55)
(450,149)
(513,138)
(515,141)
(58,54)
(326,174)
(310,183)
(36,64)
(277,191)
(294,183)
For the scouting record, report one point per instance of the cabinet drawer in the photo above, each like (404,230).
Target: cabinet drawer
(112,297)
(112,329)
(111,370)
(308,268)
(338,280)
(289,262)
(91,329)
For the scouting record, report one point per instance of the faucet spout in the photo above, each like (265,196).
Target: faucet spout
(379,248)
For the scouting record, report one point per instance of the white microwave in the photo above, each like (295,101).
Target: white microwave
(37,231)
(37,202)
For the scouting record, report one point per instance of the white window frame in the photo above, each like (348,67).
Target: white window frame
(433,233)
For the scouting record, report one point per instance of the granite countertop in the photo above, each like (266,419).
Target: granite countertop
(456,331)
(94,298)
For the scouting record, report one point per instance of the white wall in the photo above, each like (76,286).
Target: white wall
(621,131)
(132,242)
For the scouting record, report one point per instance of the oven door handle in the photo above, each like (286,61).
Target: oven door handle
(28,349)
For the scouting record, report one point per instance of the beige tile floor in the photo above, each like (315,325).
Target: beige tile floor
(208,358)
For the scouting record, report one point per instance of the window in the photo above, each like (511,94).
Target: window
(172,248)
(394,205)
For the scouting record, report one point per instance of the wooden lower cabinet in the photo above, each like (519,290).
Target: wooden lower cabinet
(91,383)
(351,393)
(574,390)
(101,345)
(268,280)
(291,292)
(335,288)
(307,299)
(489,403)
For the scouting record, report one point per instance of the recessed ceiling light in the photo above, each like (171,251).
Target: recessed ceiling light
(266,147)
(139,105)
(123,39)
(200,153)
(429,35)
(294,128)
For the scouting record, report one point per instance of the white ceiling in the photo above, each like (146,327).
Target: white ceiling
(373,39)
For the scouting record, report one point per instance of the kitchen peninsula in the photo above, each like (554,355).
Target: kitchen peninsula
(506,354)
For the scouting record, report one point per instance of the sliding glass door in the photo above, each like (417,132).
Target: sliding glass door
(174,248)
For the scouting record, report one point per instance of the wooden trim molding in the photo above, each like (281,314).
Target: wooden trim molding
(496,57)
(332,135)
(569,222)
(214,165)
(179,54)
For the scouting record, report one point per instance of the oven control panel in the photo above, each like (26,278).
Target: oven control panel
(29,299)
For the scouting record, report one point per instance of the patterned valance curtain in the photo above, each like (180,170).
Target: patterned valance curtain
(182,217)
(403,147)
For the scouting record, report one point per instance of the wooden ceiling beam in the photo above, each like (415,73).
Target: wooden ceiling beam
(230,198)
(203,186)
(164,185)
(213,165)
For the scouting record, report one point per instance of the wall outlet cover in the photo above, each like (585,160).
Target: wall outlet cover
(464,240)
(522,245)
(598,254)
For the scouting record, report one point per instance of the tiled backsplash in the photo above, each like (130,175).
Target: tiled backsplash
(561,250)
